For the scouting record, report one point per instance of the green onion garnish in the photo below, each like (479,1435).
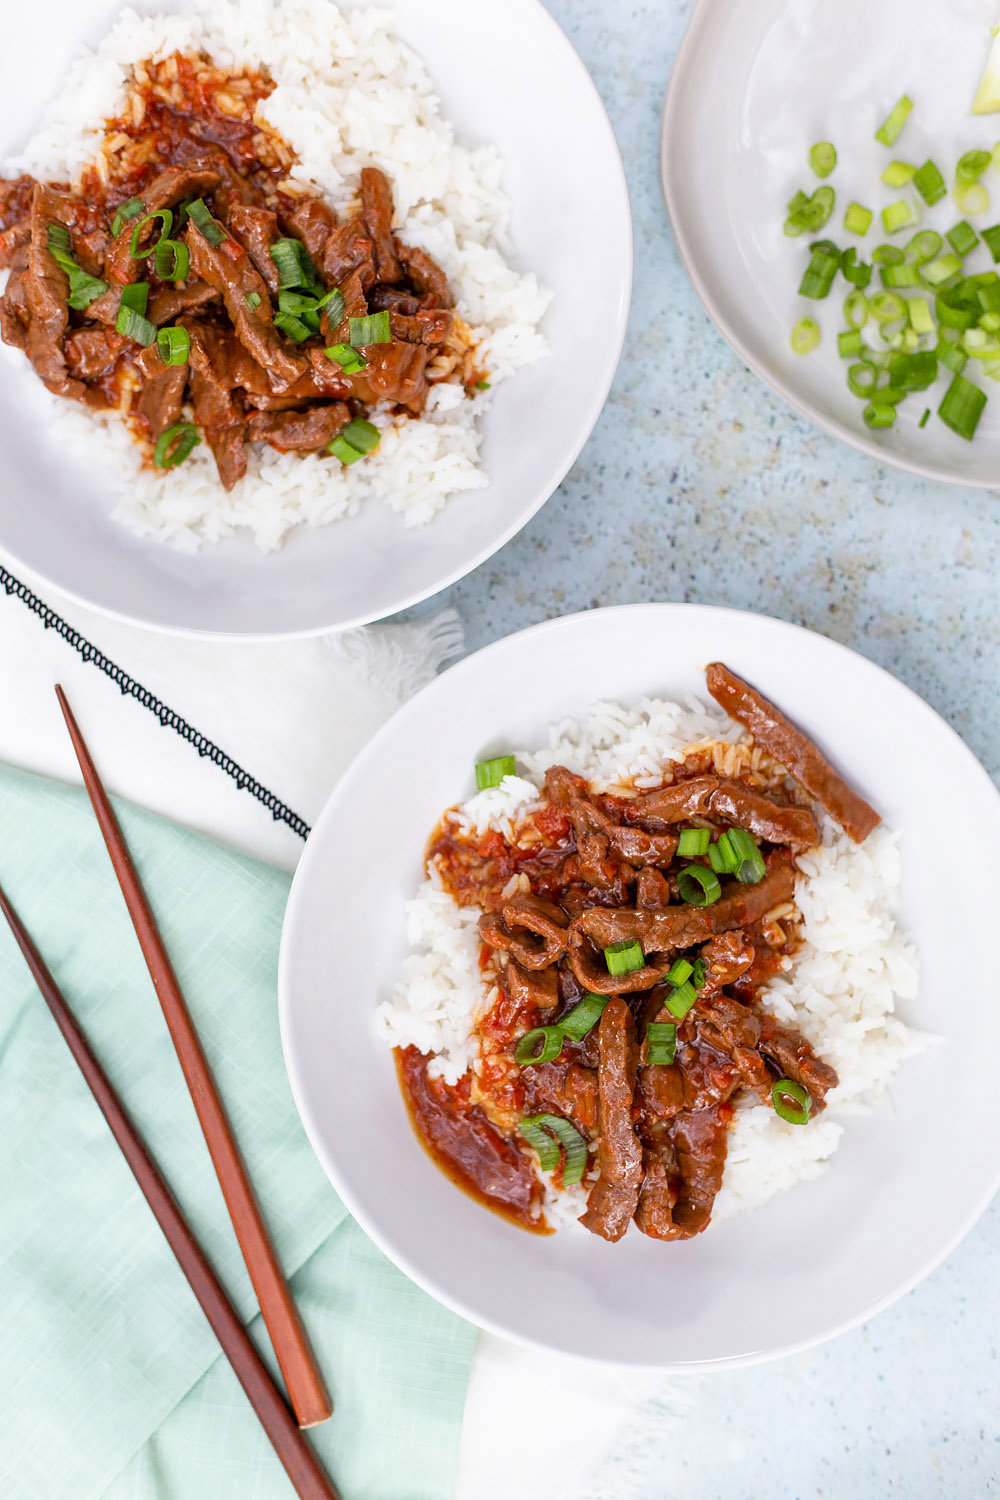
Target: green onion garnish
(856,309)
(294,327)
(900,276)
(698,886)
(341,448)
(373,329)
(490,773)
(962,238)
(925,418)
(823,158)
(888,255)
(350,360)
(700,973)
(681,1000)
(83,288)
(751,866)
(577,1022)
(929,183)
(528,1051)
(809,213)
(166,218)
(661,1043)
(962,407)
(128,211)
(898,173)
(334,304)
(791,1101)
(538,1131)
(175,445)
(366,437)
(850,344)
(885,307)
(131,320)
(624,958)
(900,215)
(938,271)
(679,971)
(971,167)
(482,385)
(722,856)
(198,212)
(805,334)
(252,300)
(893,124)
(294,263)
(857,219)
(172,260)
(693,841)
(174,345)
(923,247)
(952,356)
(991,239)
(862,379)
(972,198)
(919,313)
(858,273)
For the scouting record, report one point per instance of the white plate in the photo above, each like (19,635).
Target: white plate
(753,87)
(908,1180)
(507,75)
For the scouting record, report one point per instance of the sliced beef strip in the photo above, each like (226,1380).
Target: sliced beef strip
(780,738)
(654,1214)
(423,273)
(12,240)
(312,221)
(531,930)
(614,1197)
(652,889)
(734,1028)
(539,987)
(161,400)
(431,326)
(788,1049)
(632,844)
(164,191)
(14,313)
(257,229)
(217,354)
(591,970)
(597,867)
(394,299)
(348,249)
(93,352)
(168,303)
(47,288)
(684,926)
(394,372)
(15,199)
(228,269)
(673,804)
(299,431)
(701,1139)
(726,956)
(761,816)
(224,426)
(376,210)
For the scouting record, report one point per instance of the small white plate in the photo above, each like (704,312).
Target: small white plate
(908,1181)
(506,75)
(753,87)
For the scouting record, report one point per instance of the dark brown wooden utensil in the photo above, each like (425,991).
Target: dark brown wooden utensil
(306,1387)
(300,1462)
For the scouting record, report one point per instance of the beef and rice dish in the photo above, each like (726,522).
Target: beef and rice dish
(627,939)
(192,286)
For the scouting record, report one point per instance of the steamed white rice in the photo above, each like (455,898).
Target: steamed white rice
(348,94)
(841,988)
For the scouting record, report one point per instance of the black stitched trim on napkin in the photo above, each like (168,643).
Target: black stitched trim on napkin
(167,716)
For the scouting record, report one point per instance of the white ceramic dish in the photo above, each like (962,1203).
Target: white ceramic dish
(752,88)
(908,1180)
(506,74)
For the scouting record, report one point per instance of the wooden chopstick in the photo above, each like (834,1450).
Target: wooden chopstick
(306,1387)
(300,1462)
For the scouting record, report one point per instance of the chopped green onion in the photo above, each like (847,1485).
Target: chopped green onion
(862,378)
(722,856)
(989,298)
(849,344)
(131,320)
(84,289)
(199,214)
(972,198)
(900,276)
(923,247)
(482,385)
(294,327)
(791,1101)
(124,215)
(341,448)
(680,971)
(823,158)
(971,166)
(490,773)
(991,239)
(350,360)
(698,886)
(858,219)
(750,867)
(856,309)
(898,173)
(952,356)
(893,124)
(366,437)
(919,312)
(925,418)
(333,302)
(955,312)
(962,407)
(805,336)
(373,329)
(172,260)
(528,1051)
(166,218)
(885,306)
(980,344)
(295,267)
(693,841)
(938,271)
(624,958)
(991,322)
(858,273)
(59,241)
(988,94)
(878,415)
(810,213)
(929,183)
(661,1043)
(681,1000)
(175,445)
(252,300)
(174,345)
(962,238)
(700,974)
(888,255)
(577,1022)
(302,306)
(900,215)
(820,272)
(914,372)
(538,1131)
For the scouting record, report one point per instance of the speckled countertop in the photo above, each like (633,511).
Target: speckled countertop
(700,484)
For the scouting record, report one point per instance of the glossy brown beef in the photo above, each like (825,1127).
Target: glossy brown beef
(591,870)
(280,390)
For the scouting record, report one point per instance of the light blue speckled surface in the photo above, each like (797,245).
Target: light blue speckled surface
(700,484)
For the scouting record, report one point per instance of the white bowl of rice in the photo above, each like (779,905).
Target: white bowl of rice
(503,167)
(815,1229)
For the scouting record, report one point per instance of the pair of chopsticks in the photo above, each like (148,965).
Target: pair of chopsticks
(307,1392)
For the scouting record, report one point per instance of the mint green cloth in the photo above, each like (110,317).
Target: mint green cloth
(112,1386)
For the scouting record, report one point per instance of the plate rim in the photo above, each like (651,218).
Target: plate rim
(860,441)
(327,1160)
(625,232)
